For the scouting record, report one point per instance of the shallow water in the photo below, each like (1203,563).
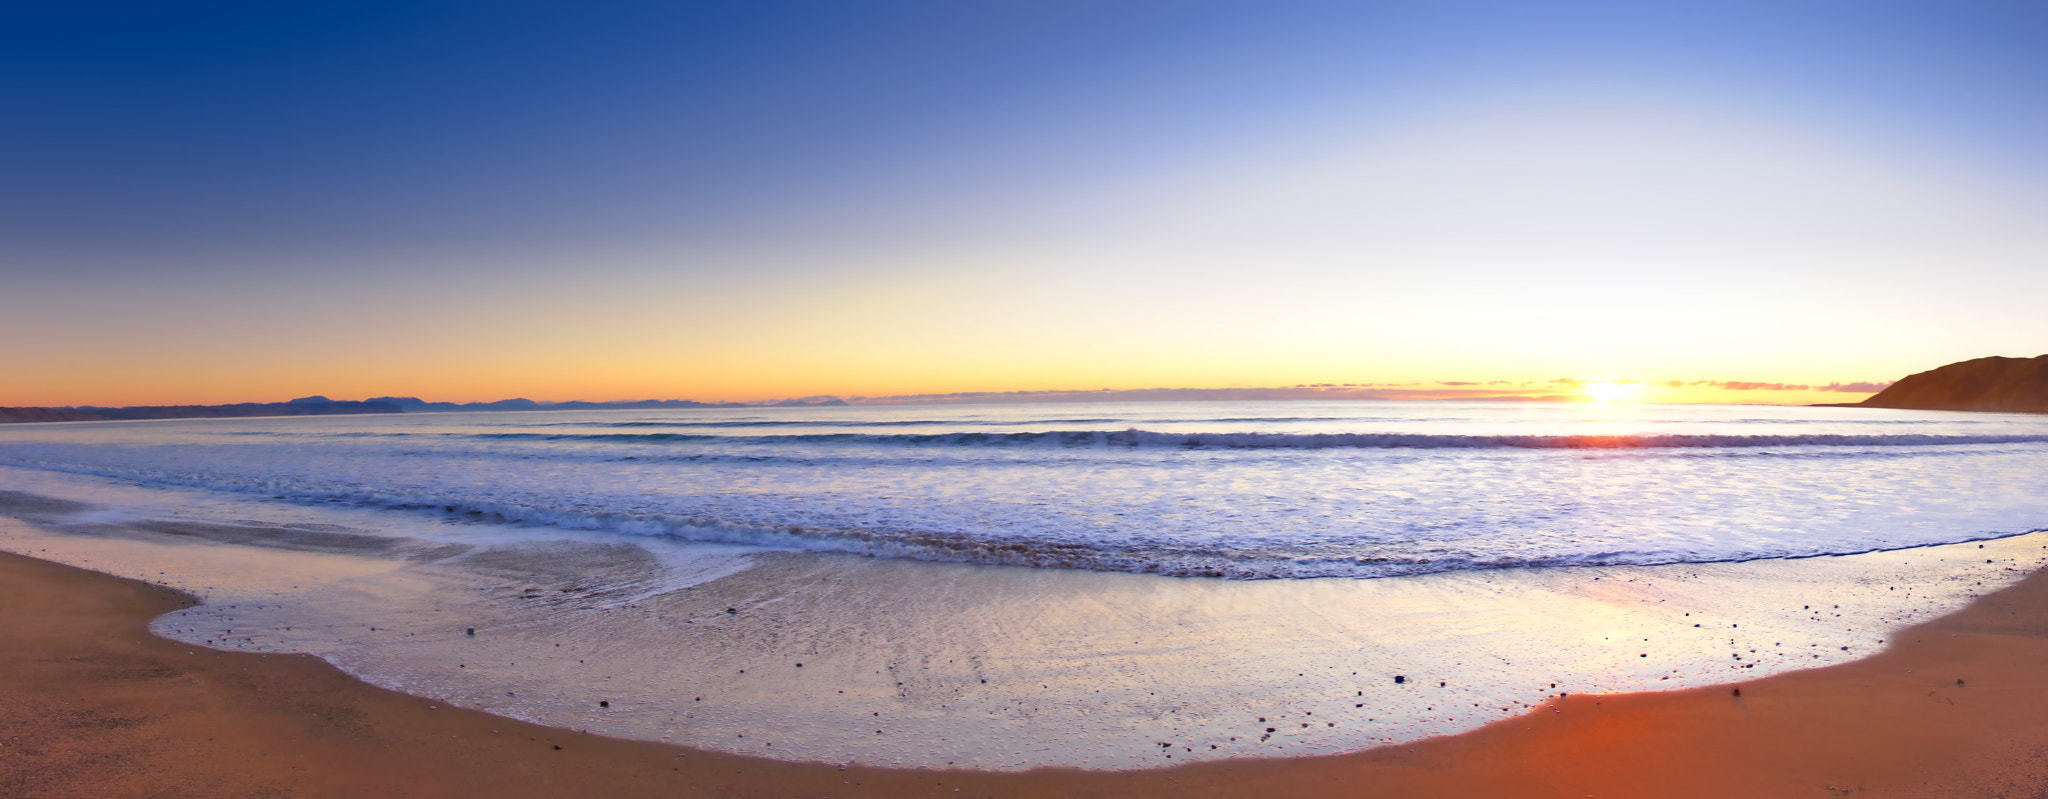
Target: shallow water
(911,662)
(1234,489)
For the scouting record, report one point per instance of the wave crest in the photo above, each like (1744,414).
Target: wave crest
(1135,438)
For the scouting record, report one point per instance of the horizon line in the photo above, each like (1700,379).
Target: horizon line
(1557,390)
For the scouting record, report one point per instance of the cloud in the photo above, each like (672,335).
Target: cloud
(1362,391)
(1744,385)
(1439,390)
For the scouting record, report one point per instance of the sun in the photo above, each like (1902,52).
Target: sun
(1611,390)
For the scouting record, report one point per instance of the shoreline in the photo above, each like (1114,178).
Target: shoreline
(93,704)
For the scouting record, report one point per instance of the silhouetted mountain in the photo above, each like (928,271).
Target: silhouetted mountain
(416,405)
(509,405)
(318,405)
(634,405)
(1983,384)
(299,407)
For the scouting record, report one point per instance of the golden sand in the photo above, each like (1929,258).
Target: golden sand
(93,705)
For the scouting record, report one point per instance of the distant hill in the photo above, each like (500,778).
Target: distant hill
(308,406)
(319,406)
(417,405)
(1983,384)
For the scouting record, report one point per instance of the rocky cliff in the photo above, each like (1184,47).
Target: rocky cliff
(1982,384)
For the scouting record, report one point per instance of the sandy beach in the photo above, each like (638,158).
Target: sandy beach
(1274,400)
(91,704)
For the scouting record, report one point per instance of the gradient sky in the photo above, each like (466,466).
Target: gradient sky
(217,202)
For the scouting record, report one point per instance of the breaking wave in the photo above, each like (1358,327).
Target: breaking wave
(1248,491)
(1168,440)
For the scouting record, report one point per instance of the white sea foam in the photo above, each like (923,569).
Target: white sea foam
(1599,549)
(1225,440)
(825,657)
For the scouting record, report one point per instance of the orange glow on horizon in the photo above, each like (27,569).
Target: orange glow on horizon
(1613,390)
(157,387)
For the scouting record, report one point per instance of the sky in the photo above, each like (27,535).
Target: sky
(221,202)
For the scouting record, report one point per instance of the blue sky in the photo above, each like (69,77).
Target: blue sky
(739,200)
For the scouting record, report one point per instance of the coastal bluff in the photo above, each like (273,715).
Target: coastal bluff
(2010,385)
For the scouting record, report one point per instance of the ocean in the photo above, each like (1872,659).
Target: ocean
(1105,585)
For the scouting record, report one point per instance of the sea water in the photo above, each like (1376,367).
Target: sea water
(1005,586)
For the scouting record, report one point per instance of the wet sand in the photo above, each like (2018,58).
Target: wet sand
(92,704)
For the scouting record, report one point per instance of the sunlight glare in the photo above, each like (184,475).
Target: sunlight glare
(1612,390)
